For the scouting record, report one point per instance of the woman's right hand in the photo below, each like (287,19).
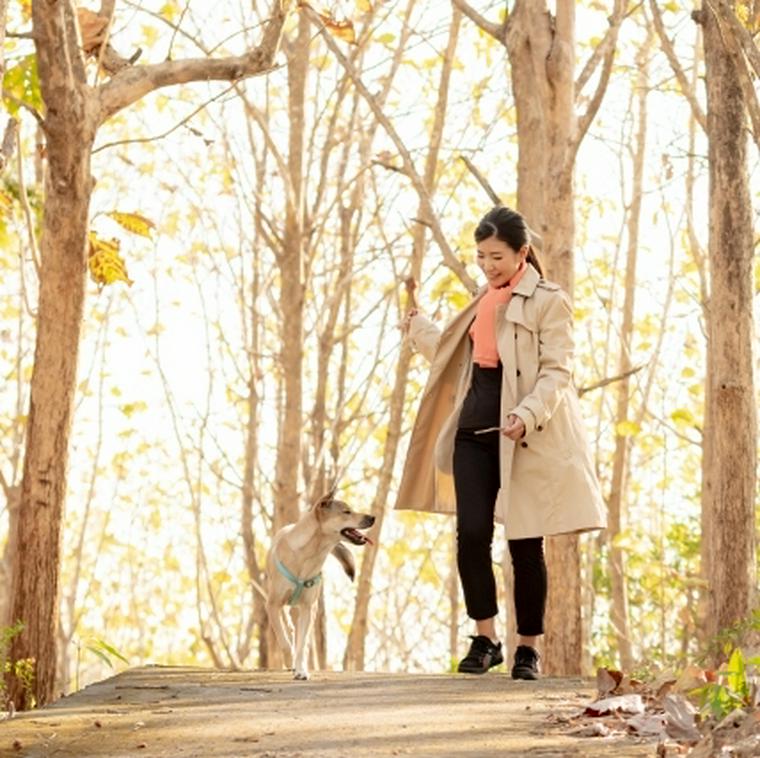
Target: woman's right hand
(406,322)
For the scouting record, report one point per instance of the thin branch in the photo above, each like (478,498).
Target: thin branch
(449,258)
(609,380)
(584,121)
(601,50)
(156,137)
(670,53)
(21,104)
(23,197)
(475,171)
(497,31)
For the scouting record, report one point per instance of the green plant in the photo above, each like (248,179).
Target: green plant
(734,688)
(101,649)
(22,669)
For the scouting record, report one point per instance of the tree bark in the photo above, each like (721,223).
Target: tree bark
(728,491)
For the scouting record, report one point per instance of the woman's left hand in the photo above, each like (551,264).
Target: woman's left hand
(515,427)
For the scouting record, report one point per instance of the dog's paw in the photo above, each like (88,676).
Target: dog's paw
(301,676)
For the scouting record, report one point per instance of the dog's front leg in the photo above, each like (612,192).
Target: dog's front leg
(281,632)
(304,621)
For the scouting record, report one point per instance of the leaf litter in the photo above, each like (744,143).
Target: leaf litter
(661,712)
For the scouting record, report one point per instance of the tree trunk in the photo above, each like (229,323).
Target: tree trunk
(541,55)
(290,261)
(12,495)
(728,490)
(62,289)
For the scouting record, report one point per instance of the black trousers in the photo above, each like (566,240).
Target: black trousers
(476,481)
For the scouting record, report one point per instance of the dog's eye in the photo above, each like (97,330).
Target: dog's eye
(348,513)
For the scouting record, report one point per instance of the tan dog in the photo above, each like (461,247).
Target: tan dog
(294,570)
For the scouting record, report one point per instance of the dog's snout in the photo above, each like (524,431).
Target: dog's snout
(367,521)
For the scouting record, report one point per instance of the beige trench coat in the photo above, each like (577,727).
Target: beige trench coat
(548,484)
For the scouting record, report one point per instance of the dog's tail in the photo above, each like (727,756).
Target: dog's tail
(346,559)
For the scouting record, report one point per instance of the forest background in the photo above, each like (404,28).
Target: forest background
(248,355)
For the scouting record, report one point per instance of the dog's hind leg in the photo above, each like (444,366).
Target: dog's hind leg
(281,632)
(304,621)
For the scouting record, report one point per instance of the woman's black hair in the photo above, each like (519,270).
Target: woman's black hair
(508,226)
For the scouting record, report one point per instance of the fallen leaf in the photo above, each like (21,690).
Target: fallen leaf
(691,678)
(619,703)
(597,729)
(682,718)
(648,724)
(607,681)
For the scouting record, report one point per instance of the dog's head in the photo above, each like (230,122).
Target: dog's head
(335,517)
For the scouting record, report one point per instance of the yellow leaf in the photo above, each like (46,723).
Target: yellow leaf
(129,408)
(683,416)
(6,201)
(627,429)
(105,264)
(133,222)
(363,6)
(341,29)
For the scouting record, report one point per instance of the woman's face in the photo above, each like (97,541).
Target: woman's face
(498,261)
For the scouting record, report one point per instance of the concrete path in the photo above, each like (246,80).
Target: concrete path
(200,713)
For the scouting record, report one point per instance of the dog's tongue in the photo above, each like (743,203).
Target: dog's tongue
(359,537)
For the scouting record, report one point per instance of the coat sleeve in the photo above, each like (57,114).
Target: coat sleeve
(425,336)
(555,360)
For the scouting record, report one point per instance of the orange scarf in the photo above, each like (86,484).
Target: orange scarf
(483,329)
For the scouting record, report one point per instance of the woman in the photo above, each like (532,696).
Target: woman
(499,435)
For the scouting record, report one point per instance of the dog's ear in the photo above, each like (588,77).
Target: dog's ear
(346,559)
(325,500)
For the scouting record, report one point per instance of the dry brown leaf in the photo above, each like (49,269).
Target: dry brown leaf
(691,678)
(92,28)
(607,681)
(341,29)
(682,718)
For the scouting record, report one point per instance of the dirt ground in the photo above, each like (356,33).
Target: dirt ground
(200,713)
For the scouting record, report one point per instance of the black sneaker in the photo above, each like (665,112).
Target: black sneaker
(483,655)
(526,663)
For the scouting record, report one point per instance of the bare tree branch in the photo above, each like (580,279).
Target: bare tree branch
(609,43)
(129,85)
(497,31)
(609,380)
(449,259)
(475,171)
(675,64)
